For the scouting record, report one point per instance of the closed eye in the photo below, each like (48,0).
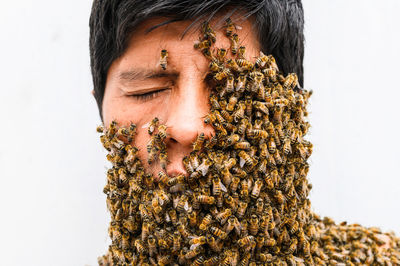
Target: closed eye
(148,95)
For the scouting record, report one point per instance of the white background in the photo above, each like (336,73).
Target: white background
(53,211)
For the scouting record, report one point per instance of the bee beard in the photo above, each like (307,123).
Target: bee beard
(272,172)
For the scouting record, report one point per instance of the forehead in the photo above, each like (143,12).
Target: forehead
(178,37)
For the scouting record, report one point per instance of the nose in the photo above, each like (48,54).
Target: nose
(185,122)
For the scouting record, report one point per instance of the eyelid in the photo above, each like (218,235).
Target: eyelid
(147,95)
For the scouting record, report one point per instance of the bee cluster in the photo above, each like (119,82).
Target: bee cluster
(245,198)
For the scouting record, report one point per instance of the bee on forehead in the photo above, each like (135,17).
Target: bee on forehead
(163,59)
(234,43)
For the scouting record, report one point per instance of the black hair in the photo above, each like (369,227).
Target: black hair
(279,25)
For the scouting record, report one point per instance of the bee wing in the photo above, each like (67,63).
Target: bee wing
(223,188)
(167,218)
(186,207)
(241,162)
(194,246)
(146,125)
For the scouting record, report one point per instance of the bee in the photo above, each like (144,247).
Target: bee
(229,87)
(256,189)
(163,59)
(302,151)
(245,157)
(242,206)
(204,199)
(234,184)
(245,241)
(194,252)
(239,112)
(179,179)
(243,145)
(151,242)
(253,224)
(291,81)
(234,43)
(278,158)
(162,132)
(232,64)
(201,45)
(257,134)
(182,230)
(218,232)
(163,158)
(279,197)
(212,261)
(223,216)
(140,246)
(271,145)
(230,27)
(204,166)
(221,53)
(208,32)
(153,125)
(222,74)
(241,82)
(287,147)
(176,239)
(182,204)
(163,177)
(198,144)
(232,102)
(205,222)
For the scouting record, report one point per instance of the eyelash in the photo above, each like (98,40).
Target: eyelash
(147,96)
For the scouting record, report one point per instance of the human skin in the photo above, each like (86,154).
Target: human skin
(178,96)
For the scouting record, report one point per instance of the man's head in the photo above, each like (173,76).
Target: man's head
(129,84)
(277,25)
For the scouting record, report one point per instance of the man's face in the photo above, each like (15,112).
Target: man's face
(138,89)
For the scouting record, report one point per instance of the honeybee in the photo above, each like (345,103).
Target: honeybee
(176,238)
(162,132)
(151,242)
(271,145)
(230,27)
(245,241)
(163,59)
(182,230)
(232,102)
(139,246)
(208,32)
(218,232)
(223,216)
(198,144)
(234,43)
(242,206)
(201,45)
(163,158)
(253,225)
(205,222)
(291,81)
(221,53)
(245,157)
(256,189)
(153,125)
(293,246)
(206,199)
(222,74)
(261,107)
(241,82)
(182,204)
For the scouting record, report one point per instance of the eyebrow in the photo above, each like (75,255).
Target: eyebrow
(141,74)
